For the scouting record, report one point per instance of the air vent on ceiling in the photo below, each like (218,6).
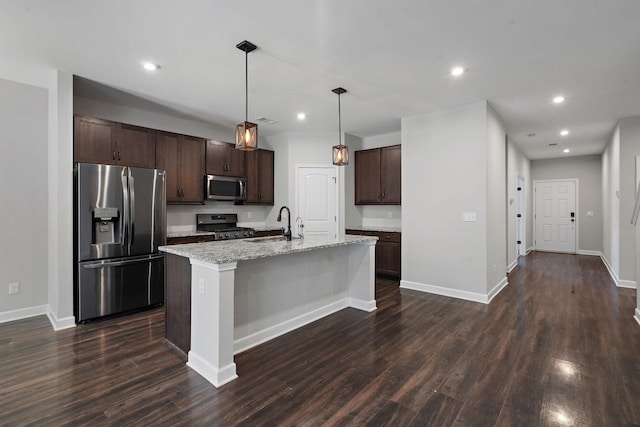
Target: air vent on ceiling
(553,144)
(266,121)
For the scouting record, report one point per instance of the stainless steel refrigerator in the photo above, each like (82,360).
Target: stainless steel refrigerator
(120,220)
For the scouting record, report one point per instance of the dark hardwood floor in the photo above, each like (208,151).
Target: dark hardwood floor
(558,346)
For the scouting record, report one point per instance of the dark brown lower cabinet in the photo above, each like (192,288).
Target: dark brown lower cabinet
(267,233)
(177,301)
(387,251)
(189,239)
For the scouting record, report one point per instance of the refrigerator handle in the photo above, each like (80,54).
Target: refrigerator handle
(124,223)
(636,209)
(132,209)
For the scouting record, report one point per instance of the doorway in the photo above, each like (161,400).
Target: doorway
(317,199)
(555,215)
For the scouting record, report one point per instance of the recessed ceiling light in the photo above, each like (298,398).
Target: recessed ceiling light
(564,132)
(150,66)
(457,71)
(302,116)
(566,150)
(558,99)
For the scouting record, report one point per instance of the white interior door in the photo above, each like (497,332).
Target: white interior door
(556,216)
(317,203)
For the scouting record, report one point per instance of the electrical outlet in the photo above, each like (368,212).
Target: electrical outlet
(469,216)
(389,214)
(249,215)
(14,288)
(201,286)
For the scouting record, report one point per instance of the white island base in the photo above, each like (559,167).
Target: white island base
(240,304)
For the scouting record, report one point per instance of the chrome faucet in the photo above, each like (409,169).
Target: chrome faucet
(286,234)
(300,226)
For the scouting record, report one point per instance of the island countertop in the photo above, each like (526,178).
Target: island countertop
(227,251)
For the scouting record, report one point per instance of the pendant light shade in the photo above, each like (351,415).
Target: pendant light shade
(340,151)
(246,132)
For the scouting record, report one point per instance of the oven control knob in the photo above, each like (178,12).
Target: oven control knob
(226,234)
(235,234)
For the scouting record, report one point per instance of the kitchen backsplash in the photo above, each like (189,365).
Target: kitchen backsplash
(183,217)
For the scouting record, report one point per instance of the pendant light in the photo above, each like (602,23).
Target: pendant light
(340,151)
(246,132)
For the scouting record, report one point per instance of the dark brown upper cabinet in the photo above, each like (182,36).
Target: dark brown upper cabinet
(102,141)
(183,158)
(378,176)
(224,159)
(260,177)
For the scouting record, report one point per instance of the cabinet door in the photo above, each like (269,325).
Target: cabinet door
(390,175)
(167,159)
(135,146)
(367,177)
(388,258)
(94,140)
(266,177)
(253,178)
(216,153)
(235,161)
(191,169)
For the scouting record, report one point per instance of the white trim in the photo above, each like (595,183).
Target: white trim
(529,250)
(611,272)
(22,313)
(363,305)
(513,265)
(629,284)
(590,253)
(455,293)
(215,267)
(637,316)
(521,208)
(213,374)
(257,338)
(58,324)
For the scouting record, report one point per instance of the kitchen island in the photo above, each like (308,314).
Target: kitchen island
(247,291)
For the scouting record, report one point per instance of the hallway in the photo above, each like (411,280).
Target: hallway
(558,346)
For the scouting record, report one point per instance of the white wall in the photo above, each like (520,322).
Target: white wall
(588,170)
(611,204)
(445,170)
(56,236)
(629,149)
(373,215)
(518,165)
(23,183)
(496,200)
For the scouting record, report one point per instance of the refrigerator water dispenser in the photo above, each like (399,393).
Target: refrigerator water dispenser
(106,226)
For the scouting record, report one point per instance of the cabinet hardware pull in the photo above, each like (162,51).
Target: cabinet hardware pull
(119,156)
(114,155)
(383,195)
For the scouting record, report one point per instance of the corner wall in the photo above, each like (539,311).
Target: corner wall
(446,156)
(518,165)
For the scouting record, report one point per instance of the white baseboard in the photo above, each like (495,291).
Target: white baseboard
(637,316)
(363,305)
(274,331)
(58,324)
(213,374)
(611,272)
(497,288)
(529,250)
(631,284)
(586,252)
(455,293)
(513,265)
(23,313)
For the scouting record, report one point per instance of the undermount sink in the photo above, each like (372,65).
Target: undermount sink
(269,239)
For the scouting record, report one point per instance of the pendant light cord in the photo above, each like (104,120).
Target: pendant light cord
(246,86)
(339,123)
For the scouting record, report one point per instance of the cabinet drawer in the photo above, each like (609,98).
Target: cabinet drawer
(389,237)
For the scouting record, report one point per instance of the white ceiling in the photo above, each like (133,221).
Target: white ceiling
(393,57)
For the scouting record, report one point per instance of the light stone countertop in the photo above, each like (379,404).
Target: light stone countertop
(376,228)
(226,251)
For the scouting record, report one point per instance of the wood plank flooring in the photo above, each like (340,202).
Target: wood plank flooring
(558,346)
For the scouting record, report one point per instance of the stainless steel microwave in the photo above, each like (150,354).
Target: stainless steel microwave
(218,187)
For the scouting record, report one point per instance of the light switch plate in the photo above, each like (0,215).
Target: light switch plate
(589,213)
(469,216)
